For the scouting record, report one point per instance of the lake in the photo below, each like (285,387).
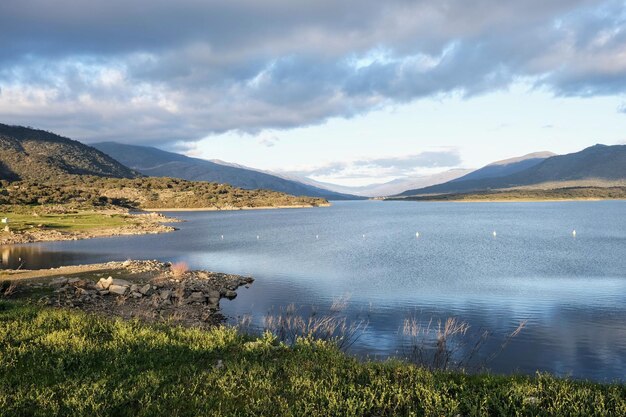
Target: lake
(570,289)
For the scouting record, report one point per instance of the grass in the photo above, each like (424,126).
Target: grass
(21,221)
(62,362)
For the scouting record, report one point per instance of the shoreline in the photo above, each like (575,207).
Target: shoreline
(174,210)
(152,291)
(504,200)
(148,221)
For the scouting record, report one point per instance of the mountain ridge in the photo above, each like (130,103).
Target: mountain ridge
(600,164)
(27,153)
(156,162)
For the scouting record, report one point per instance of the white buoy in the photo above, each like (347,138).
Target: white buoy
(222,237)
(317,236)
(417,234)
(574,233)
(257,237)
(494,233)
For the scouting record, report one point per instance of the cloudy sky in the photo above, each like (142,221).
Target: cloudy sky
(354,92)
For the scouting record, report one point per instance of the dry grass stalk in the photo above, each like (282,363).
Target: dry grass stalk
(289,326)
(448,345)
(179,269)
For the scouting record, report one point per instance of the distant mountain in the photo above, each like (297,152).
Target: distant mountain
(27,153)
(158,163)
(507,166)
(597,165)
(391,187)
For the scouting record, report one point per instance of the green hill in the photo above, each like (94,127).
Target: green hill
(144,193)
(27,153)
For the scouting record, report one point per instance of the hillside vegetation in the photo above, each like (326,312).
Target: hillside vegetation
(27,153)
(144,193)
(567,193)
(65,362)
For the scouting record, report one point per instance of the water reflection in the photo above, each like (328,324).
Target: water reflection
(571,291)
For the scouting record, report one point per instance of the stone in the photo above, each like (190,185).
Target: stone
(103,292)
(104,284)
(136,294)
(134,288)
(118,281)
(118,289)
(59,281)
(214,294)
(196,297)
(145,290)
(82,291)
(73,280)
(165,294)
(230,294)
(214,302)
(126,263)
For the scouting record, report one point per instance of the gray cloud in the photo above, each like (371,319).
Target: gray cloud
(164,71)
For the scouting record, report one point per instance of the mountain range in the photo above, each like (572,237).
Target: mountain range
(598,165)
(391,187)
(158,163)
(31,154)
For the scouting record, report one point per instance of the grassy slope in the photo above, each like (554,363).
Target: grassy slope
(569,193)
(58,362)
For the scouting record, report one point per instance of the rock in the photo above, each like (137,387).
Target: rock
(103,292)
(59,281)
(73,280)
(118,281)
(165,294)
(145,290)
(104,284)
(134,288)
(196,297)
(214,294)
(136,294)
(126,263)
(214,302)
(219,364)
(82,291)
(118,289)
(230,294)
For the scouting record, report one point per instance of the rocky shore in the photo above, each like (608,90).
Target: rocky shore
(151,291)
(137,224)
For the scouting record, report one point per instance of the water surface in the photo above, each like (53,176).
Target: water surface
(572,290)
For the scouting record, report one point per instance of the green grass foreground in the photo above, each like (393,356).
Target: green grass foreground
(59,362)
(21,220)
